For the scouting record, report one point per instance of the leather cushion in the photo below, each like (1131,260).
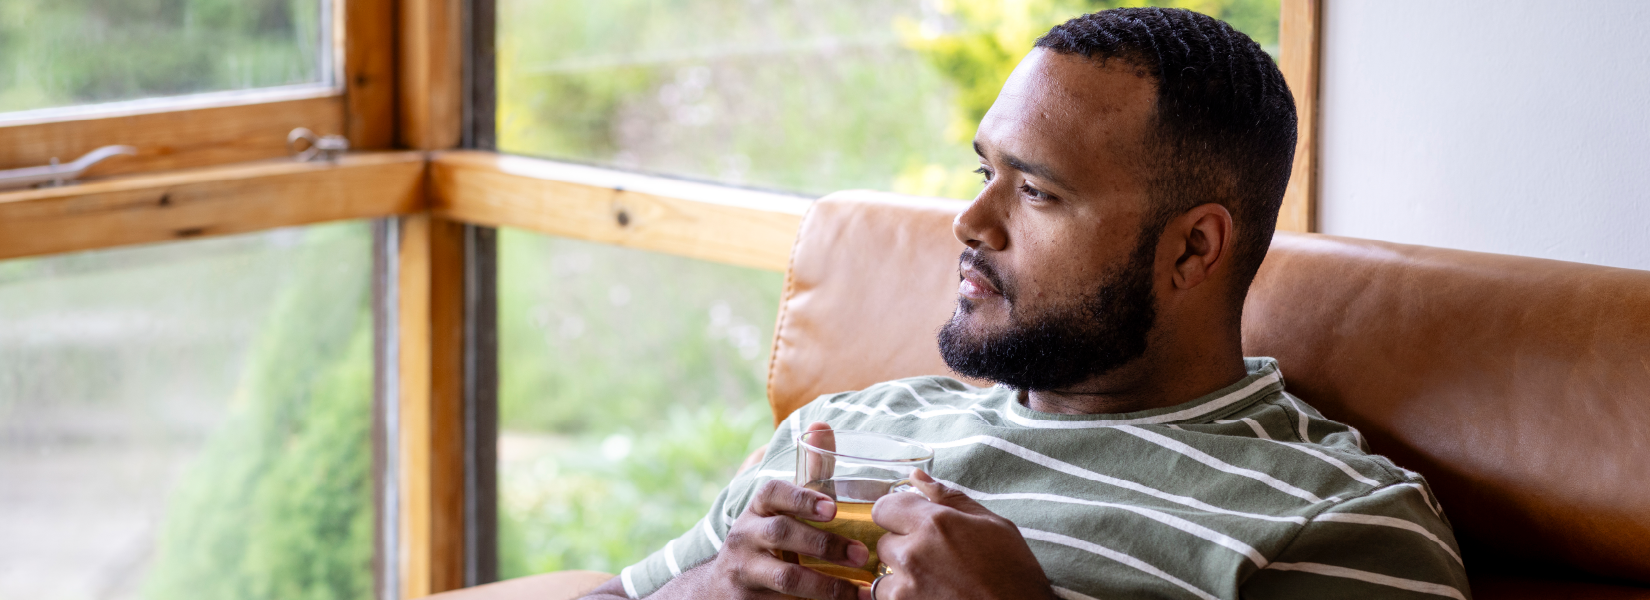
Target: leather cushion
(873,276)
(1520,387)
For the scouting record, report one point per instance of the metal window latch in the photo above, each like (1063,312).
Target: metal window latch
(327,147)
(55,174)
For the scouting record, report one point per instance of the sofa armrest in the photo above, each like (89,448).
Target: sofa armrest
(560,585)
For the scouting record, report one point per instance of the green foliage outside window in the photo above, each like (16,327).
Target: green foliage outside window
(632,384)
(279,503)
(70,52)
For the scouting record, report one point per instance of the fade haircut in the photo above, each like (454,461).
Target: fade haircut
(1224,121)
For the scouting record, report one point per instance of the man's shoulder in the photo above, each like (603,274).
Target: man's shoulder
(1284,437)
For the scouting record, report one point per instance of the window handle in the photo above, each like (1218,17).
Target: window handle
(55,174)
(328,147)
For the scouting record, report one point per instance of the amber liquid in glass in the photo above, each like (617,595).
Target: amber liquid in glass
(853,521)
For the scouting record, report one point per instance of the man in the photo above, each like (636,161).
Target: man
(1133,166)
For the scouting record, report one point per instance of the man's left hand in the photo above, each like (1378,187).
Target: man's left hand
(948,546)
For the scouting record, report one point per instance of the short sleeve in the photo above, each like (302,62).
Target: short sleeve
(1391,543)
(701,542)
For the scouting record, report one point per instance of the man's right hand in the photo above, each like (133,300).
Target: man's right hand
(748,566)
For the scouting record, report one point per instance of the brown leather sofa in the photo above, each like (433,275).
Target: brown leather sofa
(1520,387)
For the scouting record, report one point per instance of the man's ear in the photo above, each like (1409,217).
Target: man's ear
(1203,237)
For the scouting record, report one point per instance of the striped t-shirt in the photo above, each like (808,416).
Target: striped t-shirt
(1244,493)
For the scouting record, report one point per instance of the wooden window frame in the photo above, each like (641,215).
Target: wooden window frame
(222,168)
(1300,42)
(222,128)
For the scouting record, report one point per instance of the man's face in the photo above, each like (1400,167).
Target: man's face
(1057,284)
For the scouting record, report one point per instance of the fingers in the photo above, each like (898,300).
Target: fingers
(785,534)
(817,466)
(796,580)
(825,440)
(903,513)
(945,495)
(777,498)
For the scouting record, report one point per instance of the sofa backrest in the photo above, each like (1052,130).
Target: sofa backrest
(873,276)
(1519,387)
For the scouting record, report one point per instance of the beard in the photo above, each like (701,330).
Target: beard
(1062,345)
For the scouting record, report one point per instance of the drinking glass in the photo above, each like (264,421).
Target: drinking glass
(855,468)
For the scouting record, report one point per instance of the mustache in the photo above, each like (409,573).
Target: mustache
(977,260)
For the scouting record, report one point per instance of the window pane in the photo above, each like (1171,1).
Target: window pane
(806,95)
(56,53)
(189,420)
(631,386)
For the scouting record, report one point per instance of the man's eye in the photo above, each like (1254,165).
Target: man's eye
(985,175)
(1035,193)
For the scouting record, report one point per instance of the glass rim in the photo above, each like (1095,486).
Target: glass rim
(898,438)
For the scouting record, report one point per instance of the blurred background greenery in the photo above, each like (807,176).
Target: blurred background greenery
(56,53)
(631,383)
(189,420)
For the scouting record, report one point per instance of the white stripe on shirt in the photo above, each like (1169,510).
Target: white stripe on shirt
(1159,516)
(1425,497)
(1260,432)
(1375,578)
(629,586)
(670,559)
(921,414)
(715,542)
(1390,522)
(1305,437)
(1066,540)
(1345,468)
(914,394)
(1217,464)
(1071,469)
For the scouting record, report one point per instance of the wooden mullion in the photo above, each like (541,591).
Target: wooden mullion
(431,375)
(1300,38)
(369,76)
(428,113)
(431,105)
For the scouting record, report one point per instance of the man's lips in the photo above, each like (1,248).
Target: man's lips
(975,285)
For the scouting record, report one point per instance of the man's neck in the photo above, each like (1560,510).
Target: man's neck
(1146,383)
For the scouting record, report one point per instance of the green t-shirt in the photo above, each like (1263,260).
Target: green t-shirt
(1244,493)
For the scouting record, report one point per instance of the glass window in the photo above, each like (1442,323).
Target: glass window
(189,420)
(631,386)
(56,53)
(811,96)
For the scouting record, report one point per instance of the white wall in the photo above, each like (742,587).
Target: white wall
(1510,126)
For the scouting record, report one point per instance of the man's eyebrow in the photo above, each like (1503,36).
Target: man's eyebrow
(1039,169)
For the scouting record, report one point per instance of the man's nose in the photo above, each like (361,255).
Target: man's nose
(979,227)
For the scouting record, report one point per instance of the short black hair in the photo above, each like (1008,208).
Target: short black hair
(1224,128)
